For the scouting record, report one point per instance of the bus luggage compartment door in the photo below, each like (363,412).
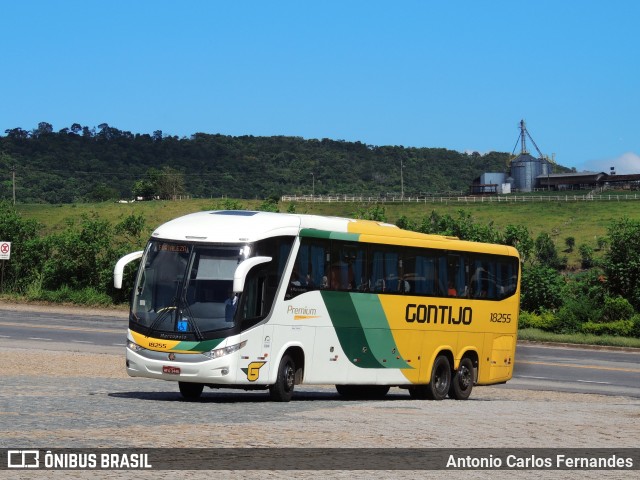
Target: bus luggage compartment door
(500,356)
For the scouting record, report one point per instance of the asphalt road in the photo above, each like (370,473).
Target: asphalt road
(580,370)
(537,367)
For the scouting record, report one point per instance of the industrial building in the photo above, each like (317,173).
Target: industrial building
(527,173)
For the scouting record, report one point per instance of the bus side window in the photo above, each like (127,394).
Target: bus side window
(384,271)
(309,271)
(456,276)
(426,280)
(348,266)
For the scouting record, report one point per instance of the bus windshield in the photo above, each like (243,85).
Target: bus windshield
(186,289)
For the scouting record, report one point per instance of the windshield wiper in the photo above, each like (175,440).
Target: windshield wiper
(162,314)
(185,306)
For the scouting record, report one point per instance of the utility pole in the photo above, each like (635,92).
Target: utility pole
(401,180)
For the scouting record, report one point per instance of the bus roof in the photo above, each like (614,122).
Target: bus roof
(240,226)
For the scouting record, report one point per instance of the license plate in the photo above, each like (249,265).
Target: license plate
(171,370)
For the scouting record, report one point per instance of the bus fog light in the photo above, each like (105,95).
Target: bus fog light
(224,371)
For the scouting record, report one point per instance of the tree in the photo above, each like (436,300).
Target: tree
(622,261)
(169,183)
(44,128)
(546,252)
(542,289)
(143,189)
(570,242)
(17,133)
(518,236)
(376,213)
(586,255)
(103,192)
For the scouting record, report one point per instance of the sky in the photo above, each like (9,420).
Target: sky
(457,75)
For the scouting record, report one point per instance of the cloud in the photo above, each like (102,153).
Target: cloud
(624,164)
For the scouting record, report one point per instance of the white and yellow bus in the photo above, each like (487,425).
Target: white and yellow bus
(240,299)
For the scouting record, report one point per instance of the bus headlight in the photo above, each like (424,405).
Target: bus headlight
(221,352)
(134,346)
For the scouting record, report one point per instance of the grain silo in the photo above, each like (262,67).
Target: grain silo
(525,168)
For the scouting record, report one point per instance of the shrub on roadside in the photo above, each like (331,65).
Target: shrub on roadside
(544,320)
(572,315)
(619,328)
(635,330)
(66,294)
(614,309)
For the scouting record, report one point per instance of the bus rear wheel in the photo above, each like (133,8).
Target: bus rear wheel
(190,391)
(462,381)
(438,387)
(282,390)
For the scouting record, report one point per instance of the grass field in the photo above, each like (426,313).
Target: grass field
(585,221)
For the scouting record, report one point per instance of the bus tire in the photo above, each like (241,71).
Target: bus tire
(438,387)
(462,381)
(282,390)
(190,391)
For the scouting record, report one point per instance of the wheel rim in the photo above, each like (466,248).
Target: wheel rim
(440,380)
(289,377)
(464,376)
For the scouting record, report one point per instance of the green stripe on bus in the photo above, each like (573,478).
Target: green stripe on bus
(313,233)
(349,330)
(204,346)
(378,333)
(370,348)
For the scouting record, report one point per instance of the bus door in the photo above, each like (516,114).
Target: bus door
(255,304)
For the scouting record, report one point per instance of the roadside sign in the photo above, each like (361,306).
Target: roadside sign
(5,250)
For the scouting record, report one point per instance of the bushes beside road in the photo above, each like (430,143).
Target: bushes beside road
(74,265)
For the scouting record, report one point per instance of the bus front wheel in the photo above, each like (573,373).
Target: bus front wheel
(282,390)
(438,387)
(462,381)
(190,391)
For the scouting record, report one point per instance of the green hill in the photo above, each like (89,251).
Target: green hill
(82,164)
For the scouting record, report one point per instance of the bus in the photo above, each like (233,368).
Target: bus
(260,300)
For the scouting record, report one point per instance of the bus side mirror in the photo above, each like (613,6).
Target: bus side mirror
(241,272)
(118,270)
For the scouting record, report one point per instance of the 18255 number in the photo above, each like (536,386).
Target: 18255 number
(500,317)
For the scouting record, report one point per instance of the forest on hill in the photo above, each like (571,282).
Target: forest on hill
(81,164)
